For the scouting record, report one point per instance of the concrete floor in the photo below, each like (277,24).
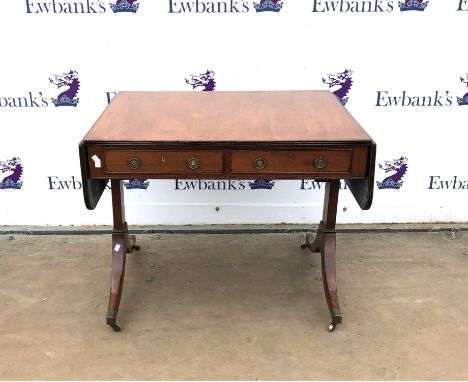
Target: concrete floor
(243,306)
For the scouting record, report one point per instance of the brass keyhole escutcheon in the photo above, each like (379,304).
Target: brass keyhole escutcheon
(259,163)
(193,163)
(134,163)
(320,162)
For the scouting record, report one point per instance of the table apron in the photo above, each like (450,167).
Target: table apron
(316,162)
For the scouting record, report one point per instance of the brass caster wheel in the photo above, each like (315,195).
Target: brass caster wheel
(136,247)
(111,318)
(115,327)
(331,327)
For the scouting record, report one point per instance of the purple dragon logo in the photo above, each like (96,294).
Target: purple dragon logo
(205,80)
(14,171)
(341,84)
(413,5)
(268,6)
(463,100)
(265,184)
(125,6)
(393,181)
(137,184)
(67,97)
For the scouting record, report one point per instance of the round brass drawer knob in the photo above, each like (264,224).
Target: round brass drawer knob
(259,163)
(193,163)
(320,162)
(134,163)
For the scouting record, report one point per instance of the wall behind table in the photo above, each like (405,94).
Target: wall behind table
(403,71)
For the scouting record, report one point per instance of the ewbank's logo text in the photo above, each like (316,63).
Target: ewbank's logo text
(56,183)
(110,96)
(209,185)
(81,7)
(74,7)
(199,6)
(72,183)
(223,185)
(67,83)
(345,6)
(307,184)
(368,6)
(437,183)
(230,6)
(405,98)
(31,99)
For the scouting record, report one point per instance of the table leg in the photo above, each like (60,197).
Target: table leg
(122,243)
(325,243)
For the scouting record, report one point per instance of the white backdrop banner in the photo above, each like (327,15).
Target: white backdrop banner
(399,67)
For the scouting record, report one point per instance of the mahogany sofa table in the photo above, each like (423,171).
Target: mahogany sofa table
(227,135)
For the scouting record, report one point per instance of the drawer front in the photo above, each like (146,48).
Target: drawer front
(334,161)
(163,162)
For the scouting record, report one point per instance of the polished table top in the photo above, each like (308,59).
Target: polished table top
(244,116)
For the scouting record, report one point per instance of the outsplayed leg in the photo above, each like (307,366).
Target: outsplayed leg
(325,243)
(329,279)
(122,243)
(119,250)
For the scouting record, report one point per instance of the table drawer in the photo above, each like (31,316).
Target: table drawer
(163,161)
(333,161)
